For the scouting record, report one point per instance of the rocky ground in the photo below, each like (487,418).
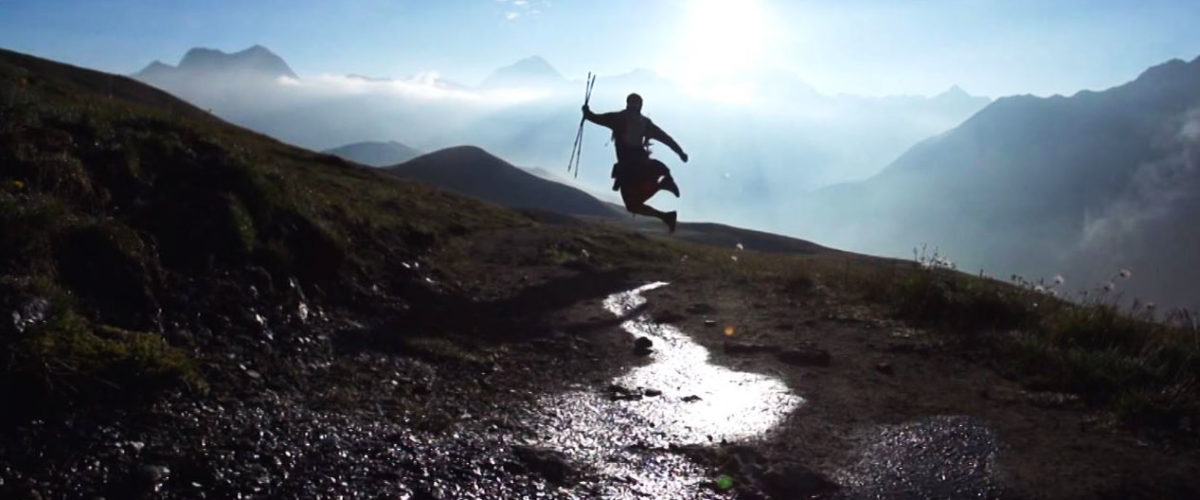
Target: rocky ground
(536,403)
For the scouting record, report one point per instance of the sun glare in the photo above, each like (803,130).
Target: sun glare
(719,42)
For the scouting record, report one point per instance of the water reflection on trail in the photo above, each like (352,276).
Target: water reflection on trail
(678,398)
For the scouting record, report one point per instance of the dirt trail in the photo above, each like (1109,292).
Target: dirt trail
(893,398)
(802,396)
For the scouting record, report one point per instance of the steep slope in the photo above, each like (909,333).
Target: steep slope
(474,172)
(375,154)
(127,214)
(1045,186)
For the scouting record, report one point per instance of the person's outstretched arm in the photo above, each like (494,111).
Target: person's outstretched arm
(657,134)
(605,119)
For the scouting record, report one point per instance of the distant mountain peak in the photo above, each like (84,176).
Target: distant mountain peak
(534,63)
(256,61)
(1167,69)
(376,154)
(956,91)
(199,55)
(154,70)
(468,152)
(530,71)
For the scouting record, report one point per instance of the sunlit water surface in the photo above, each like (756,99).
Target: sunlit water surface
(699,403)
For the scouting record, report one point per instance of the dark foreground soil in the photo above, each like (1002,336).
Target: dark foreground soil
(395,399)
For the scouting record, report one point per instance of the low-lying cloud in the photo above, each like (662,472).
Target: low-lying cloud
(1148,227)
(426,86)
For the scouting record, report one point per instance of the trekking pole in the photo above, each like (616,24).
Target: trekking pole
(587,97)
(577,148)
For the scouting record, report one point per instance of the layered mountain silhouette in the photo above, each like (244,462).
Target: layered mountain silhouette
(375,154)
(788,133)
(1081,185)
(529,72)
(256,62)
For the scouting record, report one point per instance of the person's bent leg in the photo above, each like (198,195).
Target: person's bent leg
(668,218)
(647,210)
(635,197)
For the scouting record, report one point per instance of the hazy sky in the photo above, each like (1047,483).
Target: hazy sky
(874,47)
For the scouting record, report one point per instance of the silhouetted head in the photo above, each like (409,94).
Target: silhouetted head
(633,103)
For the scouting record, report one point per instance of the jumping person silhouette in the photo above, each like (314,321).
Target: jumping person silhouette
(635,174)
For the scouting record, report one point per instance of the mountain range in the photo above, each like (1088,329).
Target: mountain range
(1081,186)
(527,113)
(256,62)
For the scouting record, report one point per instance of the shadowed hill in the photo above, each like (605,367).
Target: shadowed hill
(474,172)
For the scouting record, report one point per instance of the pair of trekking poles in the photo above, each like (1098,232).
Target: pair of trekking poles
(577,148)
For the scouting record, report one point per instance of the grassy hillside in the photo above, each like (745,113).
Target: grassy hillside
(124,210)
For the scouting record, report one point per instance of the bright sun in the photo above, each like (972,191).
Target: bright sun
(720,41)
